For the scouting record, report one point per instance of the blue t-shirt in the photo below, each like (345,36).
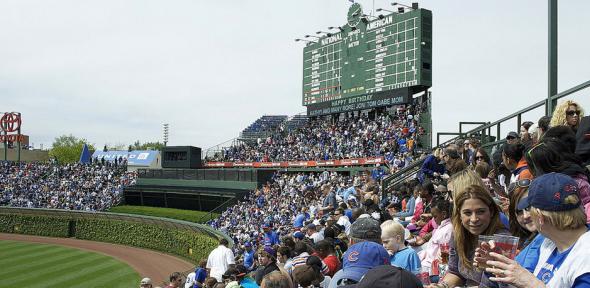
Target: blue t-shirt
(200,275)
(249,259)
(298,222)
(504,220)
(271,238)
(553,263)
(529,256)
(406,259)
(349,191)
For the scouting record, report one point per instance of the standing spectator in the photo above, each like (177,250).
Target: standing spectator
(329,203)
(267,259)
(248,256)
(197,278)
(219,260)
(313,234)
(270,236)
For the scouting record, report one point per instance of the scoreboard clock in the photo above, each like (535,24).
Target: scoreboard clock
(369,62)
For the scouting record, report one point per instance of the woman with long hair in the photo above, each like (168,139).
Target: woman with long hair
(474,214)
(567,113)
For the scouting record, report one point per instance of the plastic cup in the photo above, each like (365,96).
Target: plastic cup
(506,245)
(482,239)
(424,276)
(444,253)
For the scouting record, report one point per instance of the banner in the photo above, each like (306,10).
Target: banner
(134,158)
(285,164)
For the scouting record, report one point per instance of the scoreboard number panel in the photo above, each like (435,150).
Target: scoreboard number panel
(368,60)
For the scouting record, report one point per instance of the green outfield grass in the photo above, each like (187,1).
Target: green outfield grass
(178,214)
(41,265)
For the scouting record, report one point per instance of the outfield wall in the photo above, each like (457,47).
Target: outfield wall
(181,238)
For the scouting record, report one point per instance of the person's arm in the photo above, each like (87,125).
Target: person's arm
(506,270)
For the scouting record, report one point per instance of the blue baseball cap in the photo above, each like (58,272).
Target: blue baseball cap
(247,244)
(265,226)
(361,257)
(548,192)
(298,235)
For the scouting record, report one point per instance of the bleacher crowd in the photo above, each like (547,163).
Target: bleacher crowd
(516,217)
(88,187)
(392,134)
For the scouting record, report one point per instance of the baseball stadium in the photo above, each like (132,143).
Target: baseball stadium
(362,189)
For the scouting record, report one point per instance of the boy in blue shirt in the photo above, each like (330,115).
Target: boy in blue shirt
(393,239)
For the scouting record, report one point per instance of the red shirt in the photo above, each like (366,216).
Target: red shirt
(333,264)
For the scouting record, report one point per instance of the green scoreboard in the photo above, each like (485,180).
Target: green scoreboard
(369,62)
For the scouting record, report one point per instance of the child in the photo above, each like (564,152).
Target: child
(393,239)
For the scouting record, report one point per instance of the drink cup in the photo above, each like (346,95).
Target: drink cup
(424,275)
(506,245)
(482,239)
(444,253)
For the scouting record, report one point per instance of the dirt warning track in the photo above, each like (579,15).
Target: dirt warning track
(155,265)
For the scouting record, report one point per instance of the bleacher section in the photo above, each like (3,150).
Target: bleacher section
(262,127)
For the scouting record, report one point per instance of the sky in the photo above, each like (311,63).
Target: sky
(113,72)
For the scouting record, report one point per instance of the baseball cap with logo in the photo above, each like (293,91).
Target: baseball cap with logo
(387,276)
(361,257)
(549,191)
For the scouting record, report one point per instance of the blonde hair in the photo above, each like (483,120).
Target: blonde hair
(564,220)
(463,179)
(559,117)
(437,152)
(391,228)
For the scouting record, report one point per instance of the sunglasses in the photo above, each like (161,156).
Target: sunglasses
(572,112)
(523,183)
(510,138)
(479,158)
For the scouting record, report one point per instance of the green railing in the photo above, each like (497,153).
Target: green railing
(483,132)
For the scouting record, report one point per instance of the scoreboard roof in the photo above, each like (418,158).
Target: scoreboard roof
(368,63)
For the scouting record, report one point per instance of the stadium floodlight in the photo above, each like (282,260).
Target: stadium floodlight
(307,36)
(413,7)
(338,27)
(327,33)
(381,9)
(303,40)
(165,127)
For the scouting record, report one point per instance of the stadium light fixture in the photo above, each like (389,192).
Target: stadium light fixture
(327,33)
(307,36)
(303,40)
(338,27)
(413,7)
(381,9)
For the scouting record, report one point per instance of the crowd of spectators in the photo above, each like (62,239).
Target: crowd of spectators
(76,186)
(446,228)
(392,133)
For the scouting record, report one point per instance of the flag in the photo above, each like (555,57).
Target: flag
(85,155)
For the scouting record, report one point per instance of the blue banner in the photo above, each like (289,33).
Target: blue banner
(134,158)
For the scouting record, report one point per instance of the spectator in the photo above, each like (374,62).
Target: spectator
(145,283)
(393,239)
(175,280)
(197,279)
(325,251)
(475,213)
(482,156)
(543,126)
(284,258)
(386,276)
(583,141)
(357,260)
(276,279)
(313,234)
(267,259)
(567,113)
(432,167)
(219,260)
(270,236)
(553,203)
(248,256)
(513,158)
(306,276)
(441,214)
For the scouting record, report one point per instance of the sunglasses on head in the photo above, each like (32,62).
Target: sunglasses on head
(523,183)
(572,112)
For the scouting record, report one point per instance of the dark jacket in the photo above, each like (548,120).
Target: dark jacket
(431,165)
(266,270)
(583,140)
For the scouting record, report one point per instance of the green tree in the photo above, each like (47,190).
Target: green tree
(67,148)
(147,146)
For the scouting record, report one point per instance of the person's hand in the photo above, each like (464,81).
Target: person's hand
(446,176)
(492,175)
(435,174)
(508,271)
(481,255)
(425,216)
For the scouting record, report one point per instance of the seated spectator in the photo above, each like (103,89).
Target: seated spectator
(325,251)
(441,214)
(386,276)
(432,167)
(474,214)
(393,239)
(553,203)
(276,279)
(567,113)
